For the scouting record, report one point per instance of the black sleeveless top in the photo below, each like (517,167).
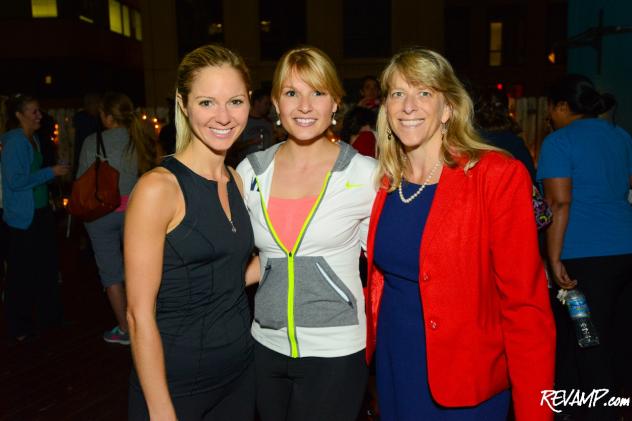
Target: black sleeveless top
(201,309)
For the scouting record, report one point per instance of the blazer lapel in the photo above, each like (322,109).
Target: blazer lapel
(449,189)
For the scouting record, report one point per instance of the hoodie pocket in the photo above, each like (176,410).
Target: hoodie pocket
(322,299)
(271,297)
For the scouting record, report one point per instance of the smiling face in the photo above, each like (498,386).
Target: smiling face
(305,112)
(217,107)
(415,112)
(30,117)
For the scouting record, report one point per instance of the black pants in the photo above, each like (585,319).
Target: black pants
(32,298)
(4,246)
(233,402)
(309,388)
(607,284)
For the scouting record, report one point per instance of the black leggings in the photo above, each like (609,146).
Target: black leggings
(233,402)
(607,284)
(32,284)
(309,388)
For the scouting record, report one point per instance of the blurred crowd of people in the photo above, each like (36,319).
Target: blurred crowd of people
(401,231)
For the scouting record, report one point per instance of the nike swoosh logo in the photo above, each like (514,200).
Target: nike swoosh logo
(350,186)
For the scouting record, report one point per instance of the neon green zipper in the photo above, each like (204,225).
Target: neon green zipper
(291,326)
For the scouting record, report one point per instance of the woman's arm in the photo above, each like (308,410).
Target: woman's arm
(150,213)
(526,318)
(253,271)
(557,192)
(17,171)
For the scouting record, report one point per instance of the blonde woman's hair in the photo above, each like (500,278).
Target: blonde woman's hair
(190,66)
(419,66)
(313,66)
(120,107)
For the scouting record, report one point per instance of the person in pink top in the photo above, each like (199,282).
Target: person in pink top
(309,200)
(132,153)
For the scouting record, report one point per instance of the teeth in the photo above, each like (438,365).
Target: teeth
(411,123)
(220,131)
(305,120)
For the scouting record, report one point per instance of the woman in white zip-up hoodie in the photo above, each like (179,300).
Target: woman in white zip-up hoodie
(309,201)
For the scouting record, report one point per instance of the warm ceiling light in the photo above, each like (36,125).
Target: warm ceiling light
(551,57)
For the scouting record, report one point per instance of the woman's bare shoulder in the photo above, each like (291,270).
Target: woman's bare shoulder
(158,187)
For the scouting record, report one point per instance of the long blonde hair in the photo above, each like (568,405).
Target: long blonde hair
(313,66)
(190,66)
(420,66)
(120,107)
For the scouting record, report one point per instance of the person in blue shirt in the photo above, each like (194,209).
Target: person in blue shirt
(585,166)
(32,266)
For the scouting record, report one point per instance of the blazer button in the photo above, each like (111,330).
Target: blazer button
(434,325)
(426,277)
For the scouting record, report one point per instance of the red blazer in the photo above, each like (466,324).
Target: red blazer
(487,316)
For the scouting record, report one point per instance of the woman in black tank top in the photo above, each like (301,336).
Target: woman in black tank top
(188,241)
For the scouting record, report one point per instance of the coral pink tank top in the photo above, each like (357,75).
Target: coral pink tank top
(288,216)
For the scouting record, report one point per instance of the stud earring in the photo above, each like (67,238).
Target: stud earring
(278,122)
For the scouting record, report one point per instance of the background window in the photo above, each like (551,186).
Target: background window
(367,28)
(90,11)
(507,35)
(457,36)
(126,26)
(199,22)
(282,26)
(137,24)
(116,21)
(556,28)
(495,43)
(44,8)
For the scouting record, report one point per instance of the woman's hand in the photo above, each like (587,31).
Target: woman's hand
(60,169)
(561,277)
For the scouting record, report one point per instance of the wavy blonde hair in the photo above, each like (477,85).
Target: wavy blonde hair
(190,66)
(420,66)
(313,66)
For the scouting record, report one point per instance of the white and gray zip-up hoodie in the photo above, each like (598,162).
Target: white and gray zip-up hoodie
(309,302)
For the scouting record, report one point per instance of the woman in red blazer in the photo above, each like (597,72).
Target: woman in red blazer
(458,310)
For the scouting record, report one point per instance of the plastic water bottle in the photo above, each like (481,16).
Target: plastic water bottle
(580,314)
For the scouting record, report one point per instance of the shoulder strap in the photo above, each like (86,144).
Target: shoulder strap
(100,145)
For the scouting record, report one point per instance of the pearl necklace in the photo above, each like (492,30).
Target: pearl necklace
(419,190)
